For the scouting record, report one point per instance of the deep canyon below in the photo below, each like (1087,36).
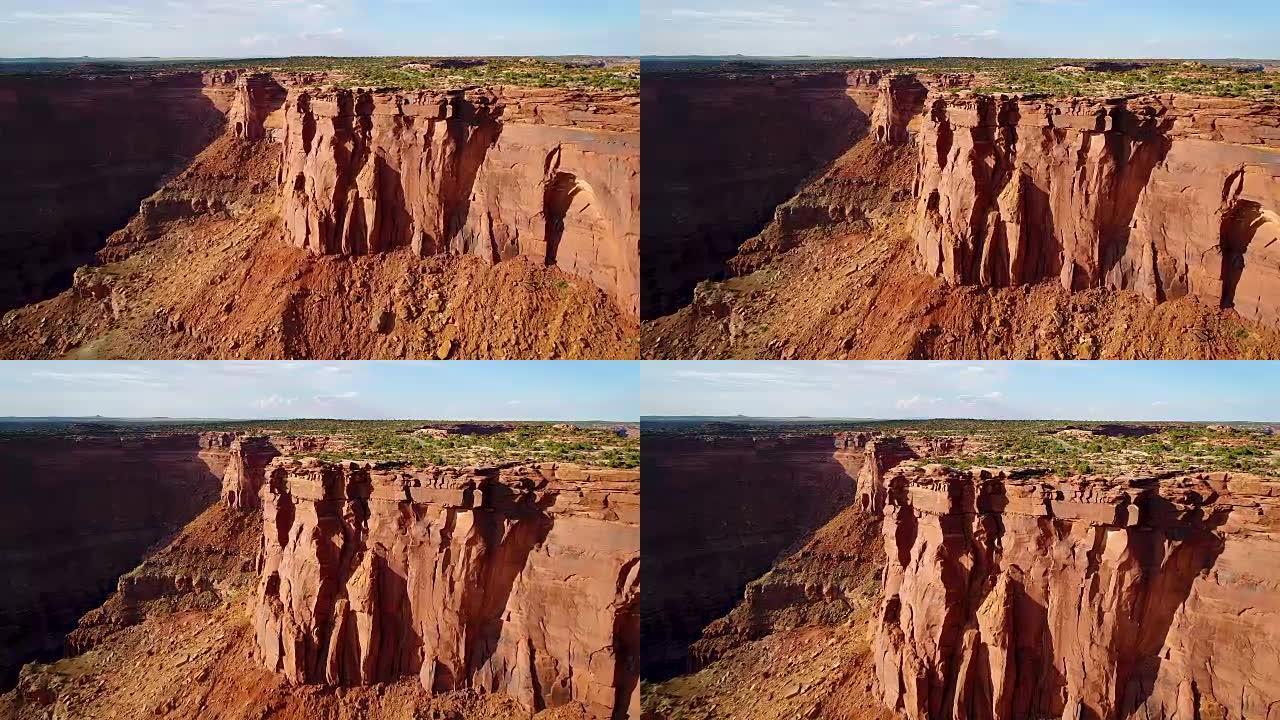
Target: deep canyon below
(932,570)
(906,213)
(254,214)
(242,574)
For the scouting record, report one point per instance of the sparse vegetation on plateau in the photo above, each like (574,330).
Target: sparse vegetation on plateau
(1059,447)
(399,72)
(1055,77)
(414,442)
(542,442)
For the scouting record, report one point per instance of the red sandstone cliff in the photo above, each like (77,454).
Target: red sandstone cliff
(972,226)
(518,582)
(1002,594)
(549,174)
(522,580)
(1012,595)
(1168,196)
(408,206)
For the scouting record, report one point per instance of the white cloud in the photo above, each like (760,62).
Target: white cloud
(275,401)
(105,379)
(321,34)
(915,39)
(916,401)
(974,37)
(773,16)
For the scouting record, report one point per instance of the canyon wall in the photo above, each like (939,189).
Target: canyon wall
(721,511)
(1015,595)
(1169,196)
(553,175)
(91,507)
(80,154)
(724,151)
(521,579)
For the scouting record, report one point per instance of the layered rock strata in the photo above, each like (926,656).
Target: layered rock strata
(1014,594)
(726,508)
(1169,196)
(91,508)
(517,579)
(497,172)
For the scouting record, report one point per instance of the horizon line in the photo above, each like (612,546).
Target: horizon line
(284,57)
(945,57)
(934,419)
(287,419)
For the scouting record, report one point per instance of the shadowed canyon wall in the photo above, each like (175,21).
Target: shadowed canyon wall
(721,511)
(1013,595)
(522,580)
(724,151)
(80,154)
(1168,196)
(83,512)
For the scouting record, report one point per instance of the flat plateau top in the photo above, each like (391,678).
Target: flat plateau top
(400,72)
(1056,77)
(1062,448)
(413,442)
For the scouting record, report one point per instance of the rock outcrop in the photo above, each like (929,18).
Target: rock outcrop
(1014,595)
(517,579)
(1169,196)
(257,111)
(246,471)
(495,172)
(91,507)
(901,99)
(721,511)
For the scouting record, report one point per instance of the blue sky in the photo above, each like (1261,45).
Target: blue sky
(1091,390)
(452,390)
(988,28)
(240,28)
